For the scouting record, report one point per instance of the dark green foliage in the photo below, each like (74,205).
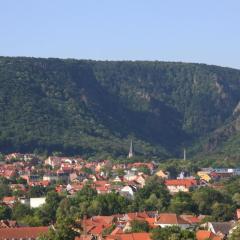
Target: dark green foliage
(4,190)
(139,226)
(206,198)
(64,224)
(20,211)
(153,196)
(235,235)
(95,108)
(36,191)
(5,212)
(174,232)
(182,203)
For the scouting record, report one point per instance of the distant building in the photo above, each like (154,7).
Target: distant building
(180,185)
(131,153)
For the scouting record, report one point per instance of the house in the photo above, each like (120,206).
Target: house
(128,191)
(12,156)
(141,179)
(8,224)
(51,177)
(29,177)
(193,220)
(204,176)
(21,233)
(117,179)
(37,202)
(221,229)
(130,176)
(221,175)
(53,161)
(206,235)
(171,219)
(160,173)
(129,236)
(95,225)
(9,201)
(180,185)
(102,186)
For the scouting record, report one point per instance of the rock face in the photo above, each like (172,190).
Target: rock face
(95,107)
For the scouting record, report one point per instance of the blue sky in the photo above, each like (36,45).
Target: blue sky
(206,31)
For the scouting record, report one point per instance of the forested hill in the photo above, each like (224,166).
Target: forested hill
(95,107)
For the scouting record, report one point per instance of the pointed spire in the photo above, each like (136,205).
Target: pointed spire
(184,154)
(130,154)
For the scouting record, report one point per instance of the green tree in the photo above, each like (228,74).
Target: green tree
(5,190)
(172,233)
(206,197)
(36,191)
(20,211)
(154,191)
(235,235)
(182,203)
(222,212)
(139,226)
(5,212)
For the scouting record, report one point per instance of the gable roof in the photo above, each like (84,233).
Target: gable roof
(22,232)
(204,234)
(130,236)
(181,182)
(222,227)
(170,218)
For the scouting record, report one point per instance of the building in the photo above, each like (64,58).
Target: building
(22,233)
(180,185)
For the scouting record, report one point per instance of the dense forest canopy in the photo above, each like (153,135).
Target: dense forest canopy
(94,108)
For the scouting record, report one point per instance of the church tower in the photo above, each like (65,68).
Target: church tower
(130,154)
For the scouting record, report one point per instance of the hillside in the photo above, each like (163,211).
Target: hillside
(95,107)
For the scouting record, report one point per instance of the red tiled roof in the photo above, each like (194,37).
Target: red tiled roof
(170,218)
(181,182)
(130,236)
(8,200)
(191,219)
(22,232)
(204,234)
(137,216)
(238,213)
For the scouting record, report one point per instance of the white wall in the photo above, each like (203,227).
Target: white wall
(37,202)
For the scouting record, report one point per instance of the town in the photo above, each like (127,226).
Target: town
(98,200)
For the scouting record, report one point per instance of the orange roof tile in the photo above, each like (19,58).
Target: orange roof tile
(22,232)
(170,218)
(204,234)
(130,236)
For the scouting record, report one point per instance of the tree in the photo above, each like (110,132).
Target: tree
(154,191)
(108,204)
(37,191)
(222,212)
(4,190)
(65,223)
(235,235)
(206,197)
(20,210)
(182,203)
(139,226)
(172,233)
(5,212)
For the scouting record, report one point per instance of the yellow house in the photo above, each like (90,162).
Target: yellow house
(162,174)
(204,175)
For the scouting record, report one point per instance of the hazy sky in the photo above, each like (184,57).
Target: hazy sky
(206,31)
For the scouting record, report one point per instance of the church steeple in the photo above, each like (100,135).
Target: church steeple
(130,154)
